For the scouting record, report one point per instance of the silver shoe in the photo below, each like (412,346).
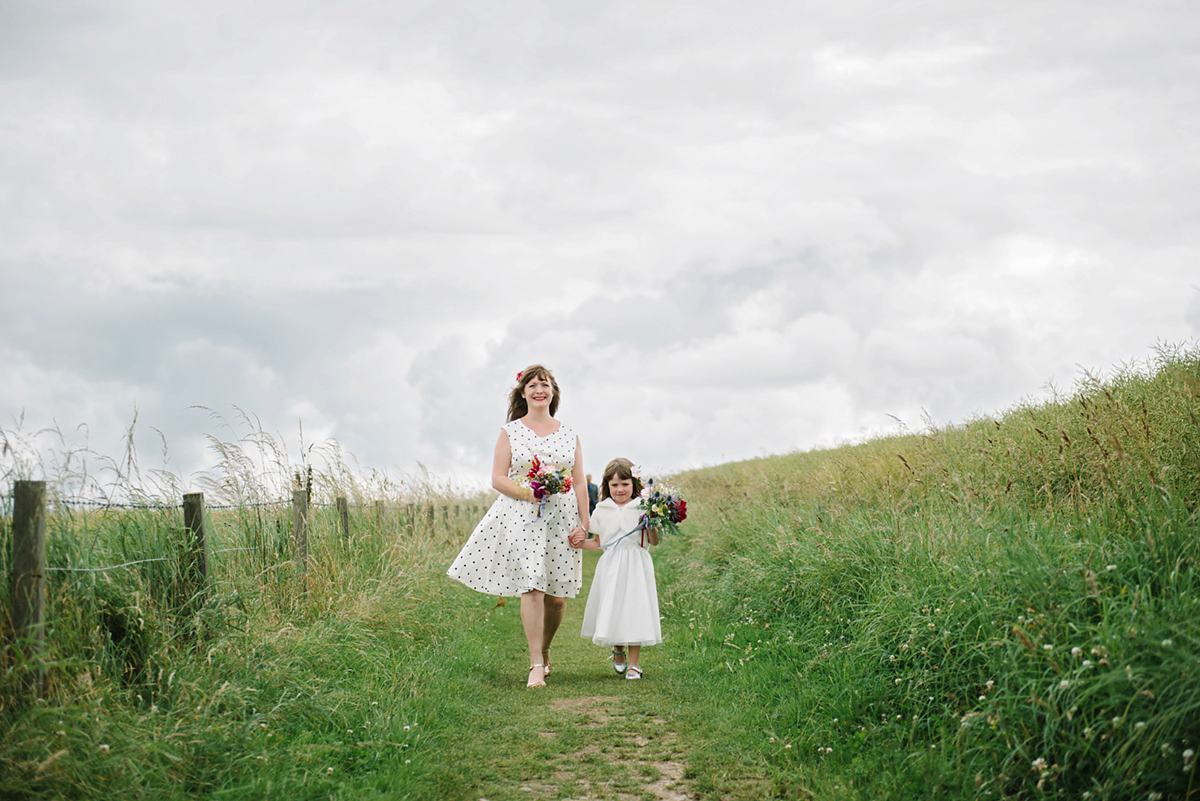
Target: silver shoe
(620,660)
(634,673)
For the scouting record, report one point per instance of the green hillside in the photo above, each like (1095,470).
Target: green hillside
(1004,609)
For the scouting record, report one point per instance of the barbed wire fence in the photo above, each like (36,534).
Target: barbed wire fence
(31,506)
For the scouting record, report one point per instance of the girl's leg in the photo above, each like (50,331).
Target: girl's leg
(533,613)
(634,652)
(552,616)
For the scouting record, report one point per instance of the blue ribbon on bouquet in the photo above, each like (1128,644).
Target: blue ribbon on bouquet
(641,526)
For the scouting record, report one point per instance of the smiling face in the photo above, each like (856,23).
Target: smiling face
(539,393)
(620,489)
(536,390)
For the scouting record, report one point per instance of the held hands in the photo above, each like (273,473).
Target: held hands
(577,536)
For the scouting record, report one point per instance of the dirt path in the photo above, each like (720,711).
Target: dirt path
(590,735)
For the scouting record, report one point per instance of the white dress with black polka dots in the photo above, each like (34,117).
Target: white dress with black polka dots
(512,550)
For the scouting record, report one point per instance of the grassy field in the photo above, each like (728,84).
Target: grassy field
(1003,609)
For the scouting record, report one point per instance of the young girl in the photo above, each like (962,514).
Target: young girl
(622,606)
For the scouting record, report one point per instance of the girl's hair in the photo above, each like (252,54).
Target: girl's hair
(517,406)
(619,468)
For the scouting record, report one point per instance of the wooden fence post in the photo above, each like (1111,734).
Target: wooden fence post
(343,507)
(196,562)
(300,528)
(28,585)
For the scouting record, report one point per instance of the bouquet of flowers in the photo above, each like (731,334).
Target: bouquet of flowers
(547,478)
(665,507)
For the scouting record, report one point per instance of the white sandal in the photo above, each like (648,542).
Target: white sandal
(633,672)
(541,683)
(622,663)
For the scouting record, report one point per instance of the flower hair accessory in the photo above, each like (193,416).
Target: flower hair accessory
(519,374)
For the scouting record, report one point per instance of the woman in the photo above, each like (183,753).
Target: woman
(520,547)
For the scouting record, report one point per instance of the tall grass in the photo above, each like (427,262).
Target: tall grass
(1004,609)
(285,681)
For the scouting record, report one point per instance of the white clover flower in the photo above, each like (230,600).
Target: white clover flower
(104,748)
(990,683)
(1039,764)
(1047,647)
(329,771)
(1064,684)
(1087,663)
(1076,652)
(1188,754)
(1167,643)
(1111,567)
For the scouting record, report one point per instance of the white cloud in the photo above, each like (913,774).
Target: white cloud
(731,229)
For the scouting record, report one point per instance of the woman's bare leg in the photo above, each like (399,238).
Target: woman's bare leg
(552,616)
(533,618)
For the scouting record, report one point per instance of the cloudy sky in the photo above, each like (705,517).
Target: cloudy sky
(730,228)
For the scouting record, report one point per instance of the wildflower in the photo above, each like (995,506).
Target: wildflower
(983,698)
(1076,652)
(1167,643)
(897,681)
(1154,796)
(329,771)
(1047,647)
(104,748)
(788,747)
(1111,567)
(1087,663)
(1141,724)
(1039,764)
(1064,684)
(406,728)
(990,684)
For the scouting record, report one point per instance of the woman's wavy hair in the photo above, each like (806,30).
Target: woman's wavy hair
(619,468)
(517,407)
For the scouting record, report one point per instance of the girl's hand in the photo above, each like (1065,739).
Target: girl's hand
(578,535)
